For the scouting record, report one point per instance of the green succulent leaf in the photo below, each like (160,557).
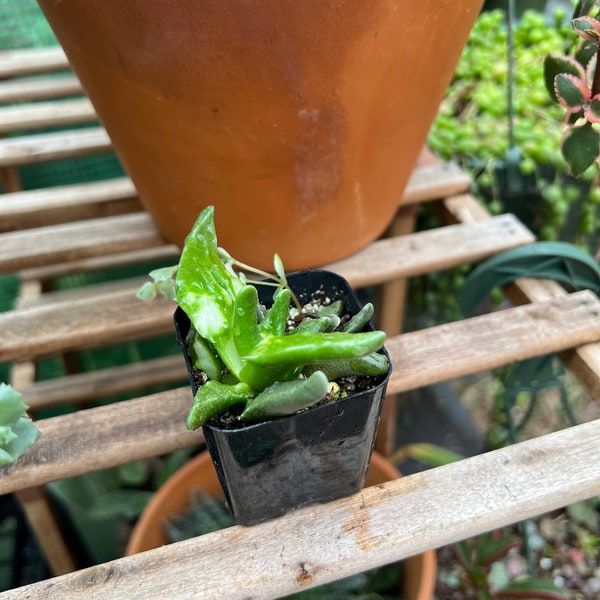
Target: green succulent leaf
(17,431)
(286,398)
(592,111)
(580,148)
(214,398)
(583,7)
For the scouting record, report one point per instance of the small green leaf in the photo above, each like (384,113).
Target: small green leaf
(583,7)
(586,27)
(555,65)
(286,398)
(580,148)
(214,398)
(571,91)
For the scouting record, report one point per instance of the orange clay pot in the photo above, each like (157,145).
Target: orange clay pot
(300,121)
(418,582)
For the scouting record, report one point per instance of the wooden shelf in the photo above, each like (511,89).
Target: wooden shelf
(84,228)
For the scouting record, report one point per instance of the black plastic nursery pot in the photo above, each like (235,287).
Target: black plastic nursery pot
(318,455)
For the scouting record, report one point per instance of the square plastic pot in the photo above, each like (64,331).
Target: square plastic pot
(315,456)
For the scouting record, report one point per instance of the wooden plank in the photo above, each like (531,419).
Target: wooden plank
(432,250)
(379,525)
(14,63)
(125,259)
(584,361)
(45,115)
(77,241)
(84,317)
(61,204)
(98,438)
(155,424)
(433,182)
(44,147)
(85,387)
(37,88)
(90,321)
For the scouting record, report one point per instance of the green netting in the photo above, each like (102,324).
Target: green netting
(23,25)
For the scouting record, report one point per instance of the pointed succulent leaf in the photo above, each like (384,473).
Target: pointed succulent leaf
(580,148)
(372,365)
(303,349)
(571,91)
(205,358)
(360,320)
(275,320)
(205,288)
(592,112)
(555,65)
(586,53)
(586,27)
(491,548)
(286,398)
(214,398)
(244,325)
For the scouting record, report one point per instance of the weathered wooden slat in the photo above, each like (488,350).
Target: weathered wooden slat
(584,361)
(49,206)
(42,115)
(405,256)
(90,321)
(434,182)
(84,387)
(76,241)
(125,259)
(154,424)
(14,63)
(84,316)
(44,147)
(37,88)
(379,525)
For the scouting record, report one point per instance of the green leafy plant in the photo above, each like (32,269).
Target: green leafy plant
(273,361)
(499,123)
(573,81)
(17,431)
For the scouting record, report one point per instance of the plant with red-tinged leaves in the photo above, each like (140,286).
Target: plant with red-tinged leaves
(574,82)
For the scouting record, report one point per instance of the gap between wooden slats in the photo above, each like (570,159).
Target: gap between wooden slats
(379,525)
(134,429)
(43,147)
(86,316)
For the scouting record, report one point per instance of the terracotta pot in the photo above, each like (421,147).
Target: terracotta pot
(300,121)
(420,572)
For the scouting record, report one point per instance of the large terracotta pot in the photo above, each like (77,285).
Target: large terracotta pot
(300,121)
(420,571)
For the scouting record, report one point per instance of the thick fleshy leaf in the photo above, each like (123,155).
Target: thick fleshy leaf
(534,588)
(17,431)
(592,113)
(587,28)
(580,148)
(571,91)
(555,65)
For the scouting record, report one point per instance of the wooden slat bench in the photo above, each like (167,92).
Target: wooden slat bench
(86,228)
